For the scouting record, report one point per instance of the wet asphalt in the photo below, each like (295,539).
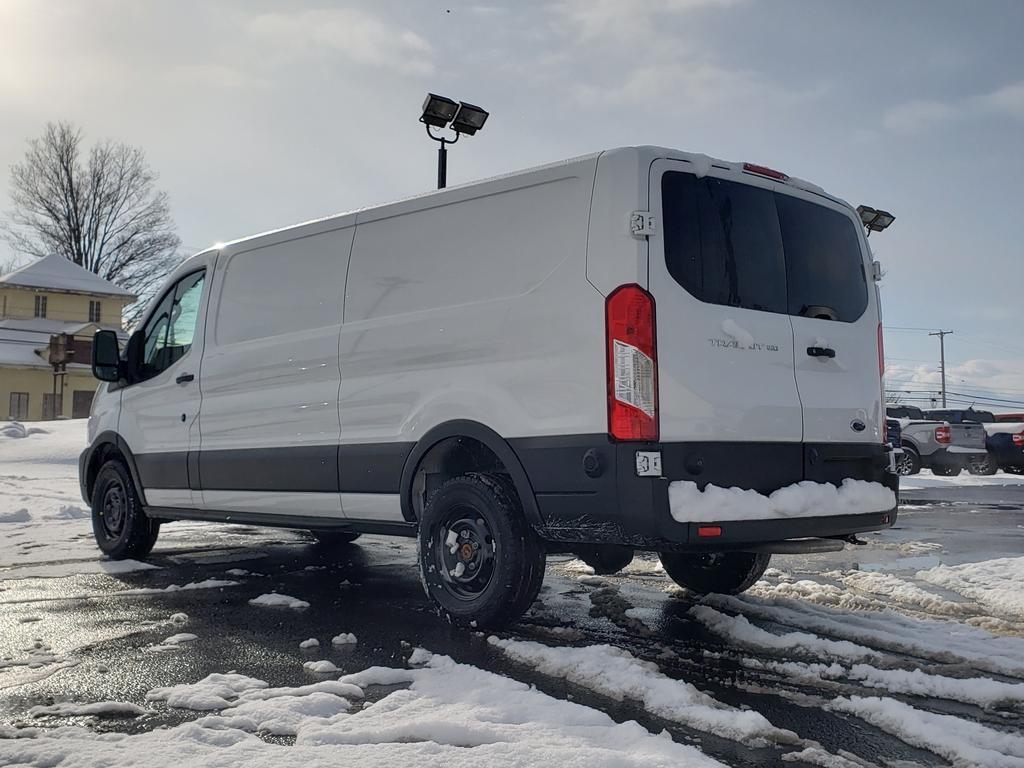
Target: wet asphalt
(102,640)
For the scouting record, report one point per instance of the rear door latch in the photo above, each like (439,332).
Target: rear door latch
(641,223)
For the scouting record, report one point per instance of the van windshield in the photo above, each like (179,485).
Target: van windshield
(744,246)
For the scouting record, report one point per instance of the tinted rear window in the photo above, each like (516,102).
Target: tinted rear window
(742,246)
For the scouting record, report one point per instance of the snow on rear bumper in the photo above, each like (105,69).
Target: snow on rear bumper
(588,490)
(688,503)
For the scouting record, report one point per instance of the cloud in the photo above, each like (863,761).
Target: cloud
(915,117)
(355,34)
(615,19)
(1009,100)
(983,379)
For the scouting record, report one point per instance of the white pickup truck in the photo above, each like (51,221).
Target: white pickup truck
(943,447)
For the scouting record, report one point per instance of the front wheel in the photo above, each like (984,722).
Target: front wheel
(121,528)
(480,562)
(727,573)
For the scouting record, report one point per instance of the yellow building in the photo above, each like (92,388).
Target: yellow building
(48,308)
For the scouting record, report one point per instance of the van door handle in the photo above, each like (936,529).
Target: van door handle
(184,378)
(821,352)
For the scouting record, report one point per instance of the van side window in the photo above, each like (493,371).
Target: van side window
(172,326)
(723,243)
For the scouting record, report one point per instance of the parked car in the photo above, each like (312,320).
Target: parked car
(894,435)
(935,444)
(584,355)
(1004,441)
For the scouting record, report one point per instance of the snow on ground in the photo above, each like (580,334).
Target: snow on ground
(274,600)
(925,479)
(616,673)
(996,584)
(485,719)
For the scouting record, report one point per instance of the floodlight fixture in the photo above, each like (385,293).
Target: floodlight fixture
(874,220)
(438,110)
(469,119)
(462,118)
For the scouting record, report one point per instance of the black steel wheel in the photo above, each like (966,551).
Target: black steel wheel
(727,573)
(481,563)
(119,523)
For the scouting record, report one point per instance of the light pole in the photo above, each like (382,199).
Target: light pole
(942,360)
(461,117)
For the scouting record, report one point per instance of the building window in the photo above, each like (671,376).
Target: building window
(94,311)
(40,306)
(19,405)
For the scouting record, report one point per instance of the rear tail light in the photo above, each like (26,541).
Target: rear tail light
(885,431)
(632,361)
(942,435)
(1018,439)
(760,170)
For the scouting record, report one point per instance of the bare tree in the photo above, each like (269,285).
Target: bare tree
(103,213)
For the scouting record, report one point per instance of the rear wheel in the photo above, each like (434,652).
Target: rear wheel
(947,470)
(908,462)
(984,466)
(727,573)
(119,525)
(334,538)
(605,559)
(480,562)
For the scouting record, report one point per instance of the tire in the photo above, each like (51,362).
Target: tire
(493,576)
(726,573)
(119,525)
(986,466)
(605,559)
(334,538)
(947,470)
(908,462)
(1014,469)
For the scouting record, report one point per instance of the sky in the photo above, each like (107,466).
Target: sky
(259,114)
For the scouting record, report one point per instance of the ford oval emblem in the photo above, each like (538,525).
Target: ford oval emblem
(858,426)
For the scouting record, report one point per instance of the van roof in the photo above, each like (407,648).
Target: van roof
(644,154)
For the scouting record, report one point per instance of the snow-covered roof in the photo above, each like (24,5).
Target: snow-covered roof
(24,344)
(60,274)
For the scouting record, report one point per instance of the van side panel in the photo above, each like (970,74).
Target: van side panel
(614,256)
(474,308)
(270,378)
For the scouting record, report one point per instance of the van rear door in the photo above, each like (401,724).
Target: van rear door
(834,308)
(725,341)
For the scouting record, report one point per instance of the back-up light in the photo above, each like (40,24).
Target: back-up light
(632,361)
(1018,439)
(761,170)
(942,435)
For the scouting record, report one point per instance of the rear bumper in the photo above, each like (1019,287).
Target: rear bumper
(588,490)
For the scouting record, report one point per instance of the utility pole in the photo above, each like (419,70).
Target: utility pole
(942,360)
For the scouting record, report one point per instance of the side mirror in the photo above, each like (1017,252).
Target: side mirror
(106,356)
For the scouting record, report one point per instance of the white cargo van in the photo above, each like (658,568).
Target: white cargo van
(636,349)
